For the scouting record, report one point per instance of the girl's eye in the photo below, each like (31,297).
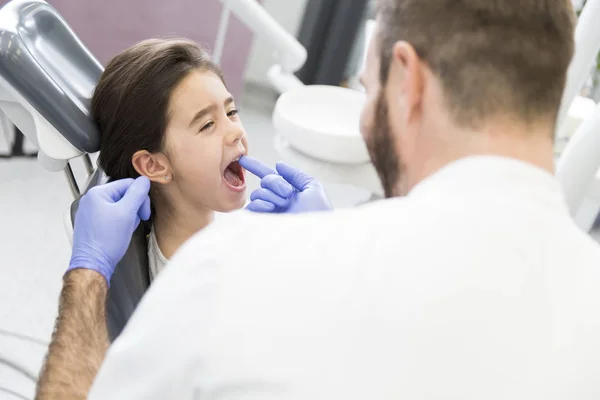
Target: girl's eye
(232,113)
(207,126)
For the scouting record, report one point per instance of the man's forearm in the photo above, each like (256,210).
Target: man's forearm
(80,338)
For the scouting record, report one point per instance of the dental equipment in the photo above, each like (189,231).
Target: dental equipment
(24,101)
(587,46)
(579,162)
(317,125)
(47,76)
(288,51)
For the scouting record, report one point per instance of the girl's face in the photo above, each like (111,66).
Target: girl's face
(203,141)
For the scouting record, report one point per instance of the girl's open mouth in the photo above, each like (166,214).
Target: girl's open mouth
(234,176)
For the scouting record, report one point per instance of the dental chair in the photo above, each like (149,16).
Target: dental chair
(47,76)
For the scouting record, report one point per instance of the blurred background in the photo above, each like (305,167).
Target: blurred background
(592,85)
(33,201)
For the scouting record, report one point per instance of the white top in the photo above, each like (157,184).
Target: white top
(156,259)
(476,286)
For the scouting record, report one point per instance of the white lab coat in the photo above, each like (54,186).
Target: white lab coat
(476,286)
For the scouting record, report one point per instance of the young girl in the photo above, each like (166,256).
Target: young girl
(164,111)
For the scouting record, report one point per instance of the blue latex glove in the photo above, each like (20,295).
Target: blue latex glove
(105,221)
(285,189)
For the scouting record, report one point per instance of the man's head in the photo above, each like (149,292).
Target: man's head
(443,77)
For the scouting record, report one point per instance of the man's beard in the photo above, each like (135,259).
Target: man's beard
(382,149)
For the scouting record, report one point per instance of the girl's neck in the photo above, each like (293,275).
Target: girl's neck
(174,227)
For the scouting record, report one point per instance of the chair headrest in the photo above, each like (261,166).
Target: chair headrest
(47,78)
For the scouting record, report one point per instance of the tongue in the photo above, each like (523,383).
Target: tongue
(232,178)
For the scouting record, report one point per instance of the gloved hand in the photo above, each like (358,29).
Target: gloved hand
(284,190)
(105,221)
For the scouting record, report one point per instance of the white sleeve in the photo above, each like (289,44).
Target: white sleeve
(160,352)
(157,356)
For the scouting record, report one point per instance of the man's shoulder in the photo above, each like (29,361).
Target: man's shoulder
(252,229)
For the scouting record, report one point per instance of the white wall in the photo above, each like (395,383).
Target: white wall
(289,14)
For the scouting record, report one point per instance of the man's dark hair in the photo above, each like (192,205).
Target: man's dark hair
(130,103)
(493,57)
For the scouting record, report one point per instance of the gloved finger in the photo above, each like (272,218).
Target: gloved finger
(144,212)
(136,194)
(269,196)
(260,206)
(114,190)
(298,179)
(136,223)
(256,167)
(277,185)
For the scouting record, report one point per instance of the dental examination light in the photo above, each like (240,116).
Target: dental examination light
(47,77)
(579,162)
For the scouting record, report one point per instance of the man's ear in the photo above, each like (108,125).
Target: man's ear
(155,166)
(407,69)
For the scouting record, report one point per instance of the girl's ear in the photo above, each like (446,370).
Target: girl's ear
(155,166)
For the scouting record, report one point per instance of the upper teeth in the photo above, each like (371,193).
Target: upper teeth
(236,159)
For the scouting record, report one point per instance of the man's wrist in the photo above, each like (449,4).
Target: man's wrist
(87,279)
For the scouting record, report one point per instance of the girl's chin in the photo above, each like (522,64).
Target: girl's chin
(235,202)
